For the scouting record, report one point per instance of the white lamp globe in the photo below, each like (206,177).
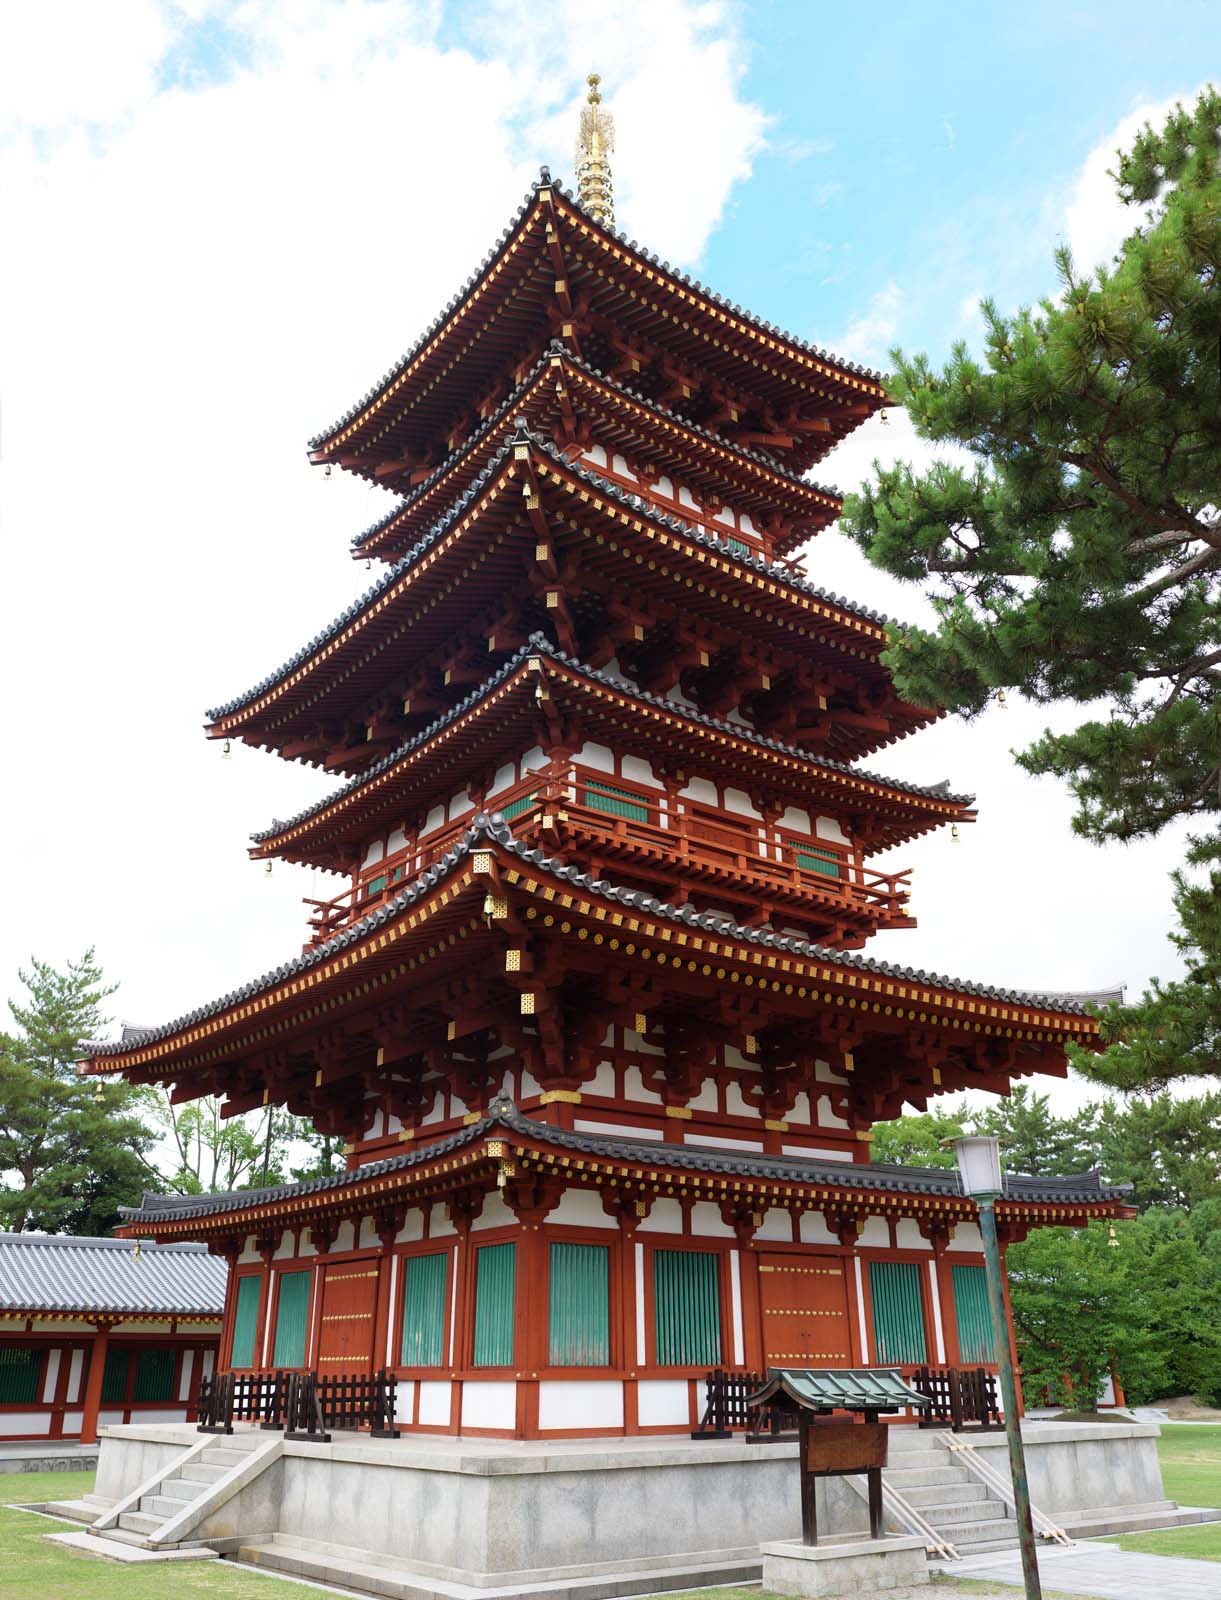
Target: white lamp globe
(979,1163)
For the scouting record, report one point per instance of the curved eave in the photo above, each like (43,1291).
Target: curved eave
(362,960)
(708,459)
(711,571)
(472,1155)
(682,306)
(377,795)
(111,1313)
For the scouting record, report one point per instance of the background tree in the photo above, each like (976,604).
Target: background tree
(209,1153)
(72,1150)
(1169,1150)
(1080,559)
(1034,1140)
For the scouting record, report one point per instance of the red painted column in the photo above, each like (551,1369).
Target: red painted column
(93,1385)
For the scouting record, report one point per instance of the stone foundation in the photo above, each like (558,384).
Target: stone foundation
(850,1567)
(491,1514)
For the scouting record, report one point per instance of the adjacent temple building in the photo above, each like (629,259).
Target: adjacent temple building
(588,1010)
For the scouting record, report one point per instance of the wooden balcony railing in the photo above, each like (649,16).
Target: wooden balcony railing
(612,819)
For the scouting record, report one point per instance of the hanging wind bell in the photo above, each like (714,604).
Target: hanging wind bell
(954,833)
(226,751)
(1001,701)
(267,873)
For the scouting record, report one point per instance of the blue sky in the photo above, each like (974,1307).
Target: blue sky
(230,216)
(919,145)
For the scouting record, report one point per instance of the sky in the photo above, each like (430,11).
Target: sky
(224,221)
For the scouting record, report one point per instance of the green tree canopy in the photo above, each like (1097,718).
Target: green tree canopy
(1079,559)
(72,1150)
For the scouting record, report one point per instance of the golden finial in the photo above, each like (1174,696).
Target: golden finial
(595,142)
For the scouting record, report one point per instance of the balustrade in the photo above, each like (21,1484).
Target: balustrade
(616,819)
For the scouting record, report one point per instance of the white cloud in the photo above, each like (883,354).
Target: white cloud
(197,279)
(1096,222)
(868,338)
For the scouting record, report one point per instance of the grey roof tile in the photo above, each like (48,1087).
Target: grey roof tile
(540,645)
(503,1113)
(54,1272)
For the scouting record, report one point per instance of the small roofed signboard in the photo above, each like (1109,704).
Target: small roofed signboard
(836,1448)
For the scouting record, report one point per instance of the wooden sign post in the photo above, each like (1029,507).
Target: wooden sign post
(833,1450)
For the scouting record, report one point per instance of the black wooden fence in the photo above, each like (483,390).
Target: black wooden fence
(304,1404)
(959,1398)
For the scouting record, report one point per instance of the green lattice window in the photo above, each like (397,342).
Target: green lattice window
(245,1315)
(579,1307)
(376,885)
(518,807)
(495,1285)
(599,796)
(424,1310)
(292,1312)
(738,546)
(686,1308)
(397,875)
(155,1375)
(114,1376)
(973,1315)
(815,860)
(898,1313)
(20,1369)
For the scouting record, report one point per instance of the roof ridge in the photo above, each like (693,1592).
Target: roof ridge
(483,826)
(519,217)
(539,643)
(780,574)
(503,1112)
(503,411)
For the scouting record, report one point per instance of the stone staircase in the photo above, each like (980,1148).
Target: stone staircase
(946,1495)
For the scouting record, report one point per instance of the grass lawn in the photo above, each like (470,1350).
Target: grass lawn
(31,1568)
(1191,1472)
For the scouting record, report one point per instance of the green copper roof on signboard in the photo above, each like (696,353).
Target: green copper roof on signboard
(846,1389)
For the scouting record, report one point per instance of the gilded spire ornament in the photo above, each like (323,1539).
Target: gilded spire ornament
(595,142)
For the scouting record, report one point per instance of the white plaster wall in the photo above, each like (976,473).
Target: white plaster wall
(665,1217)
(396,842)
(796,818)
(530,1086)
(580,1208)
(707,1221)
(305,1248)
(597,756)
(583,1125)
(434,819)
(967,1237)
(533,759)
(184,1382)
(660,1402)
(815,1152)
(640,771)
(209,1364)
(713,1142)
(489,1405)
(74,1375)
(460,804)
(434,1404)
(813,1229)
(738,800)
(48,1389)
(287,1246)
(404,1401)
(374,853)
(829,828)
(700,789)
(495,1214)
(706,1099)
(603,1081)
(826,1117)
(584,1404)
(777,1225)
(909,1237)
(249,1253)
(413,1227)
(440,1226)
(823,1073)
(801,1109)
(25,1422)
(504,777)
(345,1239)
(875,1234)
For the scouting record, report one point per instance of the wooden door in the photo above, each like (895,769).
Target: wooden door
(349,1305)
(805,1310)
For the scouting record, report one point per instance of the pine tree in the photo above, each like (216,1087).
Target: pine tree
(1169,1150)
(72,1150)
(1080,559)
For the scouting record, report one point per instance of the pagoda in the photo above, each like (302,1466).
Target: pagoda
(588,1010)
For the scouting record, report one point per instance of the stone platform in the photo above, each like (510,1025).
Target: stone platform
(563,1520)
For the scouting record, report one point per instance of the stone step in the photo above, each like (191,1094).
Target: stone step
(360,1571)
(964,1533)
(954,1513)
(163,1506)
(938,1494)
(923,1477)
(207,1471)
(137,1522)
(909,1460)
(185,1488)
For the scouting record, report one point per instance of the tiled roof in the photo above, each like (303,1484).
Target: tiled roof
(545,181)
(540,645)
(504,414)
(503,1113)
(51,1272)
(780,574)
(484,827)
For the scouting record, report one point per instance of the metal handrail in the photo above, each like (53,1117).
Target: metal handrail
(1000,1486)
(909,1519)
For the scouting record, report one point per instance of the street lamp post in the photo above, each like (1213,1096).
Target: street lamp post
(979,1163)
